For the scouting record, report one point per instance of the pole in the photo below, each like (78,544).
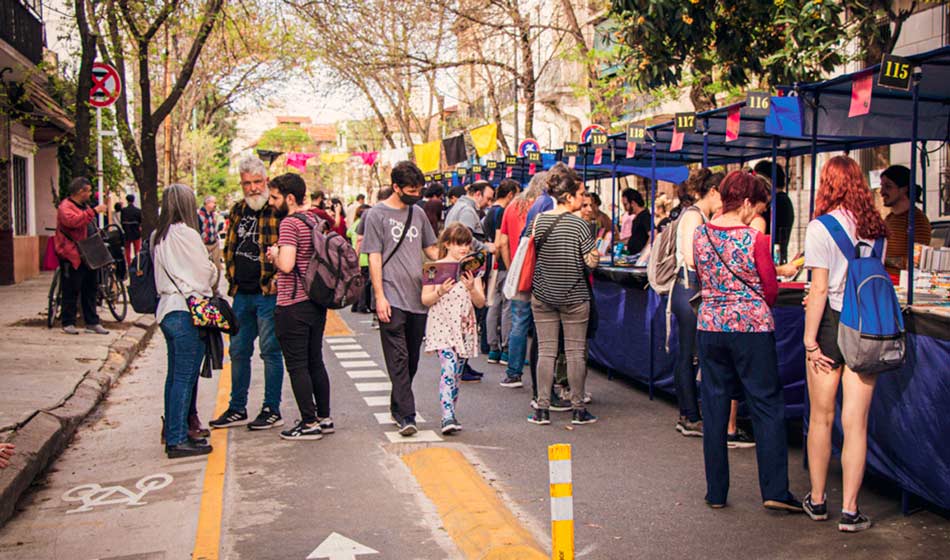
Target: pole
(923,172)
(706,142)
(562,501)
(912,192)
(613,186)
(650,336)
(194,157)
(99,162)
(772,216)
(814,158)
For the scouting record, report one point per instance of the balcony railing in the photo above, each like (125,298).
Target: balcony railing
(21,29)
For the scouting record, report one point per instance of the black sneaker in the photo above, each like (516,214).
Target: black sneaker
(267,419)
(303,431)
(789,505)
(472,371)
(818,512)
(230,418)
(187,449)
(689,428)
(582,416)
(466,377)
(560,405)
(854,523)
(326,425)
(407,427)
(740,440)
(512,382)
(450,425)
(540,416)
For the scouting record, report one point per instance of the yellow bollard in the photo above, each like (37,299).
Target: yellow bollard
(562,502)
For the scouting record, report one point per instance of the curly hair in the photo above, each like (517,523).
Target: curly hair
(842,185)
(698,185)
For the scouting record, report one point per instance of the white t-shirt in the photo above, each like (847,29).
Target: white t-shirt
(821,251)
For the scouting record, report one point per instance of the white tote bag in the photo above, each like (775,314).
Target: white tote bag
(514,271)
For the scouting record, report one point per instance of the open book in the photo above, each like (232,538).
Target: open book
(435,273)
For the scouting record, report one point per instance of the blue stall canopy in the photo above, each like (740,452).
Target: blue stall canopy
(889,120)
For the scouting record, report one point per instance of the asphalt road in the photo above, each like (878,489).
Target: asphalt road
(638,484)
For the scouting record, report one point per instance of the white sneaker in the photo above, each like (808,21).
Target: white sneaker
(96,329)
(70,330)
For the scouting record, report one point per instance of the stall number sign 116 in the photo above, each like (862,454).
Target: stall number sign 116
(895,73)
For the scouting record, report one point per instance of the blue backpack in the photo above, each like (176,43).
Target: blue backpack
(871,331)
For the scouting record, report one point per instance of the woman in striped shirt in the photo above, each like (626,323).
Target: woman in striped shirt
(560,295)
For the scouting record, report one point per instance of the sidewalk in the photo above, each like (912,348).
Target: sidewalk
(52,380)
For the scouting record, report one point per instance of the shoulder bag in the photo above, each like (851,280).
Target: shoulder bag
(725,264)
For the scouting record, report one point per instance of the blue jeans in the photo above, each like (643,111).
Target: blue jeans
(186,350)
(728,359)
(522,321)
(255,314)
(684,375)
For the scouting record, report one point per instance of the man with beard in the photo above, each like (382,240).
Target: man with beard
(253,228)
(895,192)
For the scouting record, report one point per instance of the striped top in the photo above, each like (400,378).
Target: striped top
(294,233)
(897,238)
(559,271)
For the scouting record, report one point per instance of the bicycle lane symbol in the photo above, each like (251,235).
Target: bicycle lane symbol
(95,495)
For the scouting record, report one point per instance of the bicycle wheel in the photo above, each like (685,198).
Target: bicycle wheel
(55,299)
(116,297)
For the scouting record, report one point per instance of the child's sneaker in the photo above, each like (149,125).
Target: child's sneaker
(450,425)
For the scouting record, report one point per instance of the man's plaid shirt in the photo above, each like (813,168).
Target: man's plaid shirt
(267,230)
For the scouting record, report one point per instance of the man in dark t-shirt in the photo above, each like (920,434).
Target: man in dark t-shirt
(131,219)
(640,231)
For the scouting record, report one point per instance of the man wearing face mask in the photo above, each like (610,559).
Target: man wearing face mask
(396,234)
(253,228)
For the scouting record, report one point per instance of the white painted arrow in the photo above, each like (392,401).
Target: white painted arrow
(338,547)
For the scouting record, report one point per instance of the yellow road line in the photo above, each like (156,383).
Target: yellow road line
(208,536)
(476,519)
(335,325)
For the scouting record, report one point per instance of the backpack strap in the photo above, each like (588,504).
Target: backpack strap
(840,236)
(878,250)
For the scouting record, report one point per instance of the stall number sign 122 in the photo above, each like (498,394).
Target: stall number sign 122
(895,73)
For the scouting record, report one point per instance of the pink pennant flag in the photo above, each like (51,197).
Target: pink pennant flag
(532,168)
(298,160)
(676,144)
(732,125)
(508,172)
(571,160)
(861,95)
(369,158)
(491,175)
(478,176)
(598,156)
(631,149)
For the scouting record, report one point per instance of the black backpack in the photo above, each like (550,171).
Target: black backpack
(142,291)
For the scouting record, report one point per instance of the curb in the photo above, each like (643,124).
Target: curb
(42,436)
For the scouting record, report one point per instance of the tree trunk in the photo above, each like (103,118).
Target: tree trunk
(81,148)
(148,181)
(702,101)
(528,79)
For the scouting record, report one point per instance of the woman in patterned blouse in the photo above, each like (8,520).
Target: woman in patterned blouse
(736,340)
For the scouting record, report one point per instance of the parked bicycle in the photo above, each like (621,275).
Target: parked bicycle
(110,291)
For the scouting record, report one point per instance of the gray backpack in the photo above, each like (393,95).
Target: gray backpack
(661,270)
(333,278)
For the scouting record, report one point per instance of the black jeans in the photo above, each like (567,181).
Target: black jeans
(684,375)
(79,285)
(728,359)
(299,328)
(402,344)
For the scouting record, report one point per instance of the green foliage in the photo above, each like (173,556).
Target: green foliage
(286,138)
(738,42)
(210,152)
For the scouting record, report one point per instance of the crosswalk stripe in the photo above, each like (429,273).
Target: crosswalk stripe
(367,374)
(359,364)
(374,387)
(351,355)
(340,340)
(385,418)
(345,347)
(382,400)
(420,436)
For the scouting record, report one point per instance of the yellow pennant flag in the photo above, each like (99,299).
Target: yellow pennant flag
(334,158)
(485,139)
(427,155)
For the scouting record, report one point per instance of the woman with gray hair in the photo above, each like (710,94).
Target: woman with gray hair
(182,270)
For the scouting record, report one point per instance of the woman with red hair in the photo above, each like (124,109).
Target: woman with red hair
(844,194)
(735,340)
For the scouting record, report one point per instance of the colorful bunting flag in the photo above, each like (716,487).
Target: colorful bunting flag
(369,158)
(454,150)
(732,125)
(485,139)
(427,156)
(298,160)
(676,144)
(598,156)
(861,95)
(334,158)
(631,149)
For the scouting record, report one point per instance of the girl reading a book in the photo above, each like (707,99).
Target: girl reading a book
(452,330)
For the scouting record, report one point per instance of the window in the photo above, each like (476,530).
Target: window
(21,224)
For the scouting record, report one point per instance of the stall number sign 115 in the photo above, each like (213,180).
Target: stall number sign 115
(895,73)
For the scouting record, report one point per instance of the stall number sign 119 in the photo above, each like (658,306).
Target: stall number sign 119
(895,73)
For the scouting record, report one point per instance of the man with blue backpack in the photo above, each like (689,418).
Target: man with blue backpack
(853,330)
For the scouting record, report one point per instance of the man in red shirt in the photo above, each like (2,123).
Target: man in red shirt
(73,218)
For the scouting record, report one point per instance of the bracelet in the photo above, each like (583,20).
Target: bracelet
(812,349)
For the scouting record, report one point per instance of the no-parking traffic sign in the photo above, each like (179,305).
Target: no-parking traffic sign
(106,85)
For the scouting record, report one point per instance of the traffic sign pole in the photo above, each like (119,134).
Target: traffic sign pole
(105,91)
(102,216)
